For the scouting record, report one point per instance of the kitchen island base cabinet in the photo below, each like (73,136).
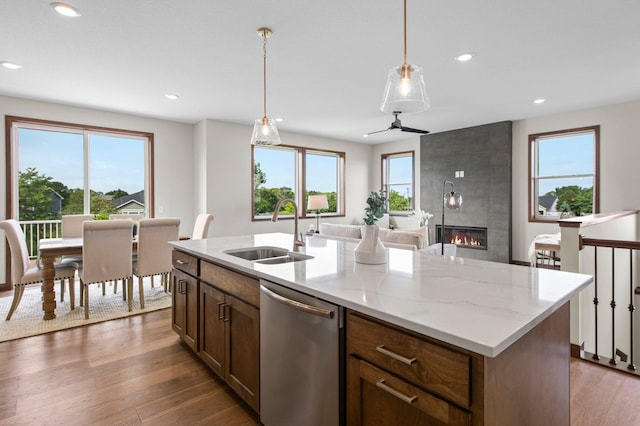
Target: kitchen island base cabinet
(396,376)
(184,291)
(230,332)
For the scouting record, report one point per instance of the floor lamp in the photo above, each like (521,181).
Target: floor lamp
(450,200)
(317,203)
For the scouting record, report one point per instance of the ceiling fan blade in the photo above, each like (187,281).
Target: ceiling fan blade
(409,129)
(377,131)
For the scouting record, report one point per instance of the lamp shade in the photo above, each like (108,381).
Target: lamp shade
(265,132)
(317,202)
(405,91)
(453,200)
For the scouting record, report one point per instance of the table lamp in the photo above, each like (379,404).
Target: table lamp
(317,202)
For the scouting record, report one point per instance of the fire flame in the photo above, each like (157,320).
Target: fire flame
(464,241)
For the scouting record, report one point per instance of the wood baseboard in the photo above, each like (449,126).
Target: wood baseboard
(520,262)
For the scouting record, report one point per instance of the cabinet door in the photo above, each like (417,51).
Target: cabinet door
(212,313)
(376,397)
(242,369)
(191,323)
(185,309)
(179,308)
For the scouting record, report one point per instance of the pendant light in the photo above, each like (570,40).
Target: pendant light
(264,129)
(405,91)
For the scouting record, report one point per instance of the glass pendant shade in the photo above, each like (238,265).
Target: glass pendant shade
(405,91)
(265,132)
(453,200)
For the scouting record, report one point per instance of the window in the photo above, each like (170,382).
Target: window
(563,171)
(60,168)
(294,172)
(398,182)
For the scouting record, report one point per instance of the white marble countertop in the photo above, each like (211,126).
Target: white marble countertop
(477,305)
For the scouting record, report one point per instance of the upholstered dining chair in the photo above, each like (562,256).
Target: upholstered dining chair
(72,228)
(23,275)
(126,216)
(106,256)
(201,227)
(154,252)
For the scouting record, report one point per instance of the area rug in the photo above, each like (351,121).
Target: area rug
(27,318)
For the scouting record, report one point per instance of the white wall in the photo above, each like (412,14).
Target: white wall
(229,177)
(619,171)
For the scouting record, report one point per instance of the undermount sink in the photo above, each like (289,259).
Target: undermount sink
(290,257)
(267,255)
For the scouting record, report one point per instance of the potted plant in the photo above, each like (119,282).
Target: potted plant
(376,207)
(370,249)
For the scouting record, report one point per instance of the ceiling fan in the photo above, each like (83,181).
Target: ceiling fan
(397,124)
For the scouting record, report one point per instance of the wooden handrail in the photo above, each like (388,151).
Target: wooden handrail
(594,242)
(593,219)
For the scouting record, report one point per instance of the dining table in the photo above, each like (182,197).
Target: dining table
(49,250)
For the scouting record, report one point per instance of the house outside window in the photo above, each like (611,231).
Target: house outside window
(295,172)
(563,174)
(61,168)
(398,181)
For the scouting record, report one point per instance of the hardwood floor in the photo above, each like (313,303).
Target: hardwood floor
(122,372)
(136,371)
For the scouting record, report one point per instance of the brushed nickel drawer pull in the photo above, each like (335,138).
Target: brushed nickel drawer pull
(181,262)
(382,350)
(408,399)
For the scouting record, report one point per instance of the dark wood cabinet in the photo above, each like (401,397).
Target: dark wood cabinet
(230,329)
(184,290)
(397,378)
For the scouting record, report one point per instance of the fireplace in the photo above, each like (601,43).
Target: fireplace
(472,237)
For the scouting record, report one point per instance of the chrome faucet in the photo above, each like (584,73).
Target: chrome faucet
(297,238)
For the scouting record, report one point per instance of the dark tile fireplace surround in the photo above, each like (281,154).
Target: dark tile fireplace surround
(483,154)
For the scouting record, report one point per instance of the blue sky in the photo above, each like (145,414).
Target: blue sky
(279,168)
(115,162)
(568,155)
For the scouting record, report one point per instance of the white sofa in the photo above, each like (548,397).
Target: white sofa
(408,239)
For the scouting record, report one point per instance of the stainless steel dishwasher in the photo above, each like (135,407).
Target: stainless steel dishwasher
(301,359)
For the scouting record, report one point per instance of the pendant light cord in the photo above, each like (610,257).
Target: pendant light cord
(264,72)
(405,32)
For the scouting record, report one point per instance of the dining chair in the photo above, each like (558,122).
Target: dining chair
(201,227)
(23,275)
(154,252)
(126,216)
(106,256)
(72,228)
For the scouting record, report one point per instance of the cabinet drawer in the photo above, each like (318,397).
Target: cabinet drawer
(388,399)
(238,285)
(185,262)
(433,367)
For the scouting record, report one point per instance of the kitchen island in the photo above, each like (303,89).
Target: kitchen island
(492,339)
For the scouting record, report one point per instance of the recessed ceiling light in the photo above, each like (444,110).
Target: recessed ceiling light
(10,65)
(171,96)
(539,101)
(365,135)
(279,119)
(464,57)
(65,9)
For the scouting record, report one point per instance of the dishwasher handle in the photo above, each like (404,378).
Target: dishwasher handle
(326,313)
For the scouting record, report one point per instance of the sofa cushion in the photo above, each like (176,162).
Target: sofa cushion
(340,230)
(415,239)
(405,222)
